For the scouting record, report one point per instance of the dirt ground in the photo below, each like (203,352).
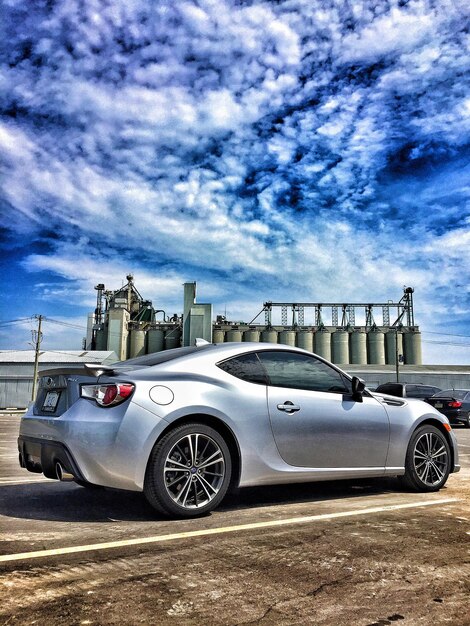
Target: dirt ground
(409,566)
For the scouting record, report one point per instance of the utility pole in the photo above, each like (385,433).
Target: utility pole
(398,357)
(37,338)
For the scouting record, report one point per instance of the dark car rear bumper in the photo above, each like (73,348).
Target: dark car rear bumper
(41,457)
(458,417)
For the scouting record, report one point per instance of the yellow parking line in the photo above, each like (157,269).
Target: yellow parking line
(23,481)
(219,531)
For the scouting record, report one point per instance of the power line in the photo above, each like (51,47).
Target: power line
(448,343)
(430,332)
(24,320)
(67,324)
(21,320)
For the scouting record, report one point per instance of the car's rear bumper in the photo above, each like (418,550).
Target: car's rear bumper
(109,447)
(458,417)
(43,456)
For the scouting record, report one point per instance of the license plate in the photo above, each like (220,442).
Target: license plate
(51,401)
(438,405)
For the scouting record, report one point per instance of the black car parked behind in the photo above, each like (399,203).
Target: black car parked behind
(454,404)
(408,390)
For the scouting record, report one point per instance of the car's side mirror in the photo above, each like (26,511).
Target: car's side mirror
(358,386)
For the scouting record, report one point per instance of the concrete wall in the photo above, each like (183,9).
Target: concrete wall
(443,376)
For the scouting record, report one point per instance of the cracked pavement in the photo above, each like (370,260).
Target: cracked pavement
(408,566)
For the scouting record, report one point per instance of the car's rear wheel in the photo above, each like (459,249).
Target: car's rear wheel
(428,460)
(188,472)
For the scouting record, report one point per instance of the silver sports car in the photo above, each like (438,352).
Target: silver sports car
(186,425)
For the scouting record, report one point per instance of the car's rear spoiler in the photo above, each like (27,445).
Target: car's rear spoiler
(96,369)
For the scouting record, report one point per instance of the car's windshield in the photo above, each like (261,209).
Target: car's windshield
(458,394)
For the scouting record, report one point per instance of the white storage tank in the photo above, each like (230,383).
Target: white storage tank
(376,342)
(287,337)
(340,347)
(251,335)
(390,346)
(305,340)
(136,342)
(413,354)
(323,344)
(173,339)
(269,335)
(218,335)
(234,334)
(101,339)
(358,347)
(155,340)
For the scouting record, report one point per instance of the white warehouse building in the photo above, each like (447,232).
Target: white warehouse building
(17,369)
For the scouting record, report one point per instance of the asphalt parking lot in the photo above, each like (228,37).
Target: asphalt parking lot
(359,552)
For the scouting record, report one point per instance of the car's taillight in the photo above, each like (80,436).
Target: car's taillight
(108,395)
(455,404)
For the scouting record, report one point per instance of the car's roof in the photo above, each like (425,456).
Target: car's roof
(402,384)
(219,351)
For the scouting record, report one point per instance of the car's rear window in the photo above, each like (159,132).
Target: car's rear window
(246,367)
(420,391)
(394,390)
(458,394)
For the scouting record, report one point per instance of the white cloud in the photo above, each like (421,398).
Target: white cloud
(291,150)
(398,31)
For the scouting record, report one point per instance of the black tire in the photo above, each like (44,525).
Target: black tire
(188,472)
(428,460)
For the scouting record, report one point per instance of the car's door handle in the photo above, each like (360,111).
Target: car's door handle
(288,407)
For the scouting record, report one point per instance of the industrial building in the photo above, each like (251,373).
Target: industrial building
(381,333)
(378,342)
(17,370)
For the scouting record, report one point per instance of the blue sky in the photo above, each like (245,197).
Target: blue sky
(303,150)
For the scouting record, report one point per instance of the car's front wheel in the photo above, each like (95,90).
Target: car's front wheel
(188,472)
(428,460)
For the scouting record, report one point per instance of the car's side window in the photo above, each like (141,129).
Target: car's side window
(246,367)
(299,371)
(420,392)
(413,391)
(393,390)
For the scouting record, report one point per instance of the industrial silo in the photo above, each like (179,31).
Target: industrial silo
(136,342)
(218,335)
(305,340)
(390,346)
(287,337)
(155,340)
(323,344)
(340,346)
(173,338)
(101,339)
(269,335)
(234,334)
(358,347)
(413,354)
(376,343)
(251,335)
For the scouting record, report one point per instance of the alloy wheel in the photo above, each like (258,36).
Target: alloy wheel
(194,471)
(431,458)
